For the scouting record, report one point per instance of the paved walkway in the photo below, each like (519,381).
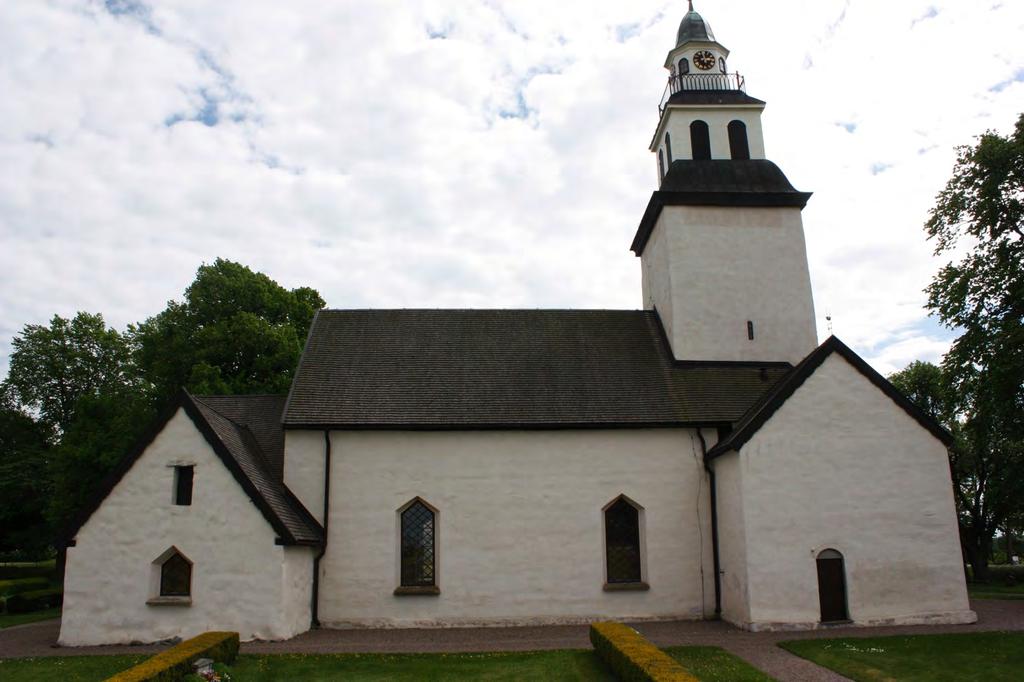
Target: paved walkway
(758,649)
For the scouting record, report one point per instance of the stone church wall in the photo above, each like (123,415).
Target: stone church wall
(520,532)
(241,581)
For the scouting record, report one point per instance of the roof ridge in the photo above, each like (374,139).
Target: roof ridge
(242,395)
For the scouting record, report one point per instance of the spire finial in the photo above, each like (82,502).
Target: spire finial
(691,5)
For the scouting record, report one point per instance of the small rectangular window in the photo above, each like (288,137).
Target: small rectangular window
(183,485)
(750,330)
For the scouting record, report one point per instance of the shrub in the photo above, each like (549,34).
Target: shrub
(632,658)
(22,585)
(176,663)
(42,569)
(35,600)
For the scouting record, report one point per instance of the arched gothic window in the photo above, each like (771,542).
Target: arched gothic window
(739,145)
(418,550)
(661,165)
(622,542)
(684,66)
(700,141)
(176,576)
(721,64)
(668,147)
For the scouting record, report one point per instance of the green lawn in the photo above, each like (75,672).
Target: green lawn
(70,669)
(707,663)
(995,591)
(711,664)
(10,619)
(975,656)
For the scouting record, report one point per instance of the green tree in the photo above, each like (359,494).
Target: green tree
(980,214)
(24,483)
(981,211)
(106,426)
(988,476)
(236,332)
(53,366)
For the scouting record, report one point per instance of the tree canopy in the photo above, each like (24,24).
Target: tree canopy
(236,332)
(978,393)
(78,394)
(981,212)
(53,366)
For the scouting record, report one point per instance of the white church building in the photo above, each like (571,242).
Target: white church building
(701,458)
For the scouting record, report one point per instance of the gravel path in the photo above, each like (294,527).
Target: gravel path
(758,649)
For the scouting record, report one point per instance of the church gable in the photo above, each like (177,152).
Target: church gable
(761,413)
(186,429)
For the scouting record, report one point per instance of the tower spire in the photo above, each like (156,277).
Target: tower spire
(691,5)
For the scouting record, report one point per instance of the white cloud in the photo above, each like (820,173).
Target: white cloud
(501,163)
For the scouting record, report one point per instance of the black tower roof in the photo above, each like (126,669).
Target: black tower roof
(693,27)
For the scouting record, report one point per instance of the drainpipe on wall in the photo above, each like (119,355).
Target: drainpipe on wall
(327,516)
(714,524)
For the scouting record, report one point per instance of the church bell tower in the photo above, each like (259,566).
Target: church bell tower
(722,244)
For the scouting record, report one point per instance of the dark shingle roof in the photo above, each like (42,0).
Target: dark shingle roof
(261,415)
(241,443)
(508,368)
(705,97)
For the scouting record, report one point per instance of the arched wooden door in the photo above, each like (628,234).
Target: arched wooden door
(832,587)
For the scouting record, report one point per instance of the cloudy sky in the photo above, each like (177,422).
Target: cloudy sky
(465,153)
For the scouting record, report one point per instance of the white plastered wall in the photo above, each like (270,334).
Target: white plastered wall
(840,466)
(520,527)
(710,270)
(241,580)
(304,469)
(732,540)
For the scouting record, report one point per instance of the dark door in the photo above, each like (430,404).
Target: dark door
(832,587)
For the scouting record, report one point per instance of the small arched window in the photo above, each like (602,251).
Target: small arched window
(684,66)
(721,64)
(668,147)
(739,146)
(418,551)
(661,165)
(700,141)
(622,543)
(176,576)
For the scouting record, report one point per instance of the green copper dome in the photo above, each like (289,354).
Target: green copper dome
(693,28)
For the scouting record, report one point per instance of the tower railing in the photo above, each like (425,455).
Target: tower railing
(701,81)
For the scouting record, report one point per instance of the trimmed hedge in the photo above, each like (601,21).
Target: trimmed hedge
(176,663)
(43,569)
(35,600)
(632,658)
(22,585)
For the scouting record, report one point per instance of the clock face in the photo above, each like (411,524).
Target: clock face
(704,60)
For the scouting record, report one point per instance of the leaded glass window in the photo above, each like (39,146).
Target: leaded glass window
(176,577)
(622,542)
(418,546)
